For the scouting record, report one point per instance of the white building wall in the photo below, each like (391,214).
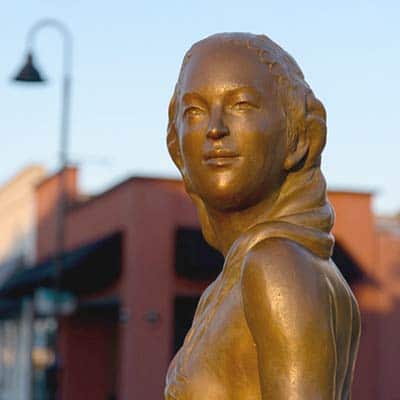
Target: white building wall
(17,214)
(17,245)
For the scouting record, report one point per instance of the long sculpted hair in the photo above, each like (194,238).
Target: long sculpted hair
(301,200)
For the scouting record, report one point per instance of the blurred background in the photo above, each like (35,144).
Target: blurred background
(101,258)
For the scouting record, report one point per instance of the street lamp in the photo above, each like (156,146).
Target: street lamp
(30,74)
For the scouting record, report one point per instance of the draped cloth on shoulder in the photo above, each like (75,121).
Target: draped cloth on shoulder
(300,213)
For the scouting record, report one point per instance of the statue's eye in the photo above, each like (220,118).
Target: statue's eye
(193,112)
(243,106)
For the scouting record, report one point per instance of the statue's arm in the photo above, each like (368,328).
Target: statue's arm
(288,310)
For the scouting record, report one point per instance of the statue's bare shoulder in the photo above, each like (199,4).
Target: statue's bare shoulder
(287,301)
(281,266)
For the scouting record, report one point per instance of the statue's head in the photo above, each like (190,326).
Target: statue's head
(244,126)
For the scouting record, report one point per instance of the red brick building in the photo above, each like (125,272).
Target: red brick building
(137,264)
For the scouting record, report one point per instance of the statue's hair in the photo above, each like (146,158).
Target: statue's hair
(302,197)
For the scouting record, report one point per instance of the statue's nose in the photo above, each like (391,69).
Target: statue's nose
(216,128)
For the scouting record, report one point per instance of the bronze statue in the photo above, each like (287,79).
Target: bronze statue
(279,322)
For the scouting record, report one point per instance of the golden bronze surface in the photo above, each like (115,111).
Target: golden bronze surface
(279,322)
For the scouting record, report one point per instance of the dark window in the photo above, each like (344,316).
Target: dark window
(184,309)
(194,258)
(346,264)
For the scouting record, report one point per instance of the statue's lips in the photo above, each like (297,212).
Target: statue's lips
(220,158)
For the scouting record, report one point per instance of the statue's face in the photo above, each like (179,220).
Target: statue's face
(231,127)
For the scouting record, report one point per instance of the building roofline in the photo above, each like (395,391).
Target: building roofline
(135,178)
(161,179)
(361,192)
(49,177)
(21,174)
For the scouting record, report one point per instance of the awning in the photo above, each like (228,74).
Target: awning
(87,269)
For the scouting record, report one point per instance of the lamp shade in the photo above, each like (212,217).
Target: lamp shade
(29,73)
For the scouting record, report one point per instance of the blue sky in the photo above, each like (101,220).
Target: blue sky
(126,59)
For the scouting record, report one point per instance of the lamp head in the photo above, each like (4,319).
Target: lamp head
(28,72)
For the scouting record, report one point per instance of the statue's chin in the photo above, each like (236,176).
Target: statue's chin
(225,195)
(223,201)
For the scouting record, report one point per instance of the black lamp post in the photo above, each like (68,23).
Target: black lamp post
(30,74)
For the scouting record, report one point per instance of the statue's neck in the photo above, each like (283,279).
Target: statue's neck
(227,226)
